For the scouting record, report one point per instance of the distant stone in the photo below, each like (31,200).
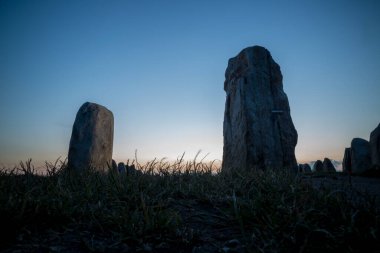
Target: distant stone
(91,140)
(131,170)
(114,165)
(304,168)
(328,166)
(258,129)
(374,141)
(346,165)
(318,166)
(121,168)
(360,156)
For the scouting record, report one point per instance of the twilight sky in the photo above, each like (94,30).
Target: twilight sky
(159,67)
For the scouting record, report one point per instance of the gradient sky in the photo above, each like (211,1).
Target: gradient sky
(159,67)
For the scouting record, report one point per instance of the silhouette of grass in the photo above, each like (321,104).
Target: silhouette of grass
(183,206)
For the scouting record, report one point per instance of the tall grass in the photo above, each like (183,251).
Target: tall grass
(181,206)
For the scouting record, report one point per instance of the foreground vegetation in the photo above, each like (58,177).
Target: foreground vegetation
(179,207)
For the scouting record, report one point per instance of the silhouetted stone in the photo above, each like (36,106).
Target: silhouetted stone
(258,129)
(304,168)
(131,170)
(121,168)
(92,138)
(318,166)
(328,166)
(346,165)
(374,141)
(360,156)
(114,165)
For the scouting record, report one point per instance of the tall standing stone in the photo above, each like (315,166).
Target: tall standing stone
(92,138)
(258,129)
(374,142)
(346,165)
(360,156)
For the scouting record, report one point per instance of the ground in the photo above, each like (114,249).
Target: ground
(189,212)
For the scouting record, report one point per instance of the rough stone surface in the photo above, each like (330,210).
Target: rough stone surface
(374,141)
(92,138)
(258,129)
(318,166)
(346,165)
(328,166)
(360,156)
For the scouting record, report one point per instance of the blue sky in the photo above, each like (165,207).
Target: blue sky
(159,67)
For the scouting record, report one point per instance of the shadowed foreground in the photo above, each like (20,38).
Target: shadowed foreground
(181,207)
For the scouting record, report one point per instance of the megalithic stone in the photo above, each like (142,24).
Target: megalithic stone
(328,166)
(306,168)
(258,130)
(346,165)
(91,140)
(318,166)
(360,156)
(374,142)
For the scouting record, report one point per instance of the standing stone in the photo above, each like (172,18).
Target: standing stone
(374,142)
(318,166)
(92,138)
(360,156)
(258,129)
(346,165)
(131,170)
(304,168)
(121,168)
(114,165)
(328,166)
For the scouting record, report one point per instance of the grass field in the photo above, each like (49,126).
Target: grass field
(179,207)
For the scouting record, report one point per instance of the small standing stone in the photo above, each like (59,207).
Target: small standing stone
(346,165)
(114,165)
(360,155)
(318,166)
(91,140)
(131,170)
(328,166)
(304,168)
(121,168)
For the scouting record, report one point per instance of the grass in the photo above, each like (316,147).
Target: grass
(179,207)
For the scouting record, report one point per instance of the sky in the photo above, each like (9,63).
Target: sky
(159,67)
